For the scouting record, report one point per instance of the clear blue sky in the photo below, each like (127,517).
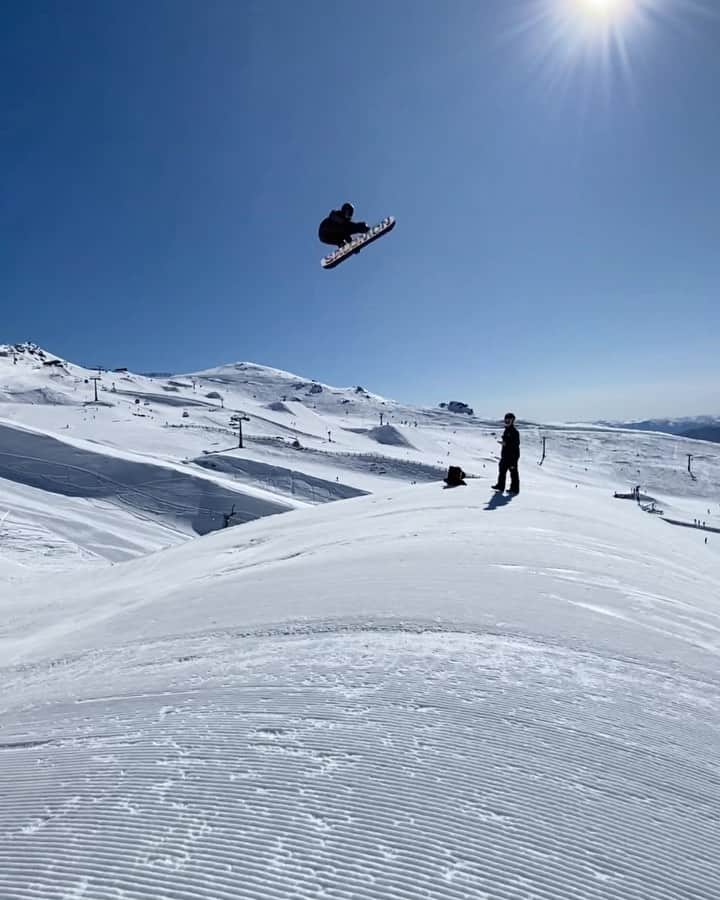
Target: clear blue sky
(165,165)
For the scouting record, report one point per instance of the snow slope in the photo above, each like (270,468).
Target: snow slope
(163,451)
(426,693)
(411,693)
(74,469)
(332,434)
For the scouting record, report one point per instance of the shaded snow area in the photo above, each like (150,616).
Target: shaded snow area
(278,478)
(163,492)
(409,692)
(58,531)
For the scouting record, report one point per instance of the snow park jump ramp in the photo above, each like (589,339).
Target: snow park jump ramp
(187,499)
(399,696)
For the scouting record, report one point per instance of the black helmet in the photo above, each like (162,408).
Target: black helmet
(347,210)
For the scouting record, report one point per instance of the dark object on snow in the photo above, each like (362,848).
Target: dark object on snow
(455,477)
(542,458)
(509,457)
(338,228)
(456,406)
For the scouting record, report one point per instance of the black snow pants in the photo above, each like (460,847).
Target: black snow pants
(511,466)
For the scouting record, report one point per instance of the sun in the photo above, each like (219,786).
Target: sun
(604,10)
(594,47)
(600,37)
(602,7)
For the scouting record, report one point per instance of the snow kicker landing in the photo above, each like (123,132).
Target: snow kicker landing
(384,434)
(376,764)
(38,460)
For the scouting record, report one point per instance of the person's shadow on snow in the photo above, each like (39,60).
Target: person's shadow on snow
(498,499)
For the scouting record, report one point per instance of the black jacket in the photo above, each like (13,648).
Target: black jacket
(336,227)
(510,445)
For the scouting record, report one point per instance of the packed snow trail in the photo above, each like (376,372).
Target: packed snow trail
(372,763)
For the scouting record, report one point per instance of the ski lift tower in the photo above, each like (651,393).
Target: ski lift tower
(236,422)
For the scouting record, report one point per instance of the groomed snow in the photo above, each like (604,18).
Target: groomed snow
(417,693)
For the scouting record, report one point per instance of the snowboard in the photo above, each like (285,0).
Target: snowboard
(357,243)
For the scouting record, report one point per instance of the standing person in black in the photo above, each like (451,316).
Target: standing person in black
(509,457)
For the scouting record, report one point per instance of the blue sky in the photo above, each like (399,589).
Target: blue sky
(165,165)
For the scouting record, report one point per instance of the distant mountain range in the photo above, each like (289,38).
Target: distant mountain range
(701,428)
(705,433)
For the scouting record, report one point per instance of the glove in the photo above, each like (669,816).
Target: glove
(363,226)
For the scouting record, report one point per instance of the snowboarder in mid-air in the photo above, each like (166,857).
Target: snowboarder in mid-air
(338,228)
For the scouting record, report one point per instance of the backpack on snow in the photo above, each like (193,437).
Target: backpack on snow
(454,477)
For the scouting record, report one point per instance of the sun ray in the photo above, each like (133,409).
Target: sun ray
(601,40)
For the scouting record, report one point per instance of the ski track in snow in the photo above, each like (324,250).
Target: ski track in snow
(362,765)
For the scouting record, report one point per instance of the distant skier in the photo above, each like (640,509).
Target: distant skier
(338,228)
(509,457)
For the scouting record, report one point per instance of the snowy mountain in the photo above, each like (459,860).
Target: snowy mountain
(704,433)
(705,428)
(372,687)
